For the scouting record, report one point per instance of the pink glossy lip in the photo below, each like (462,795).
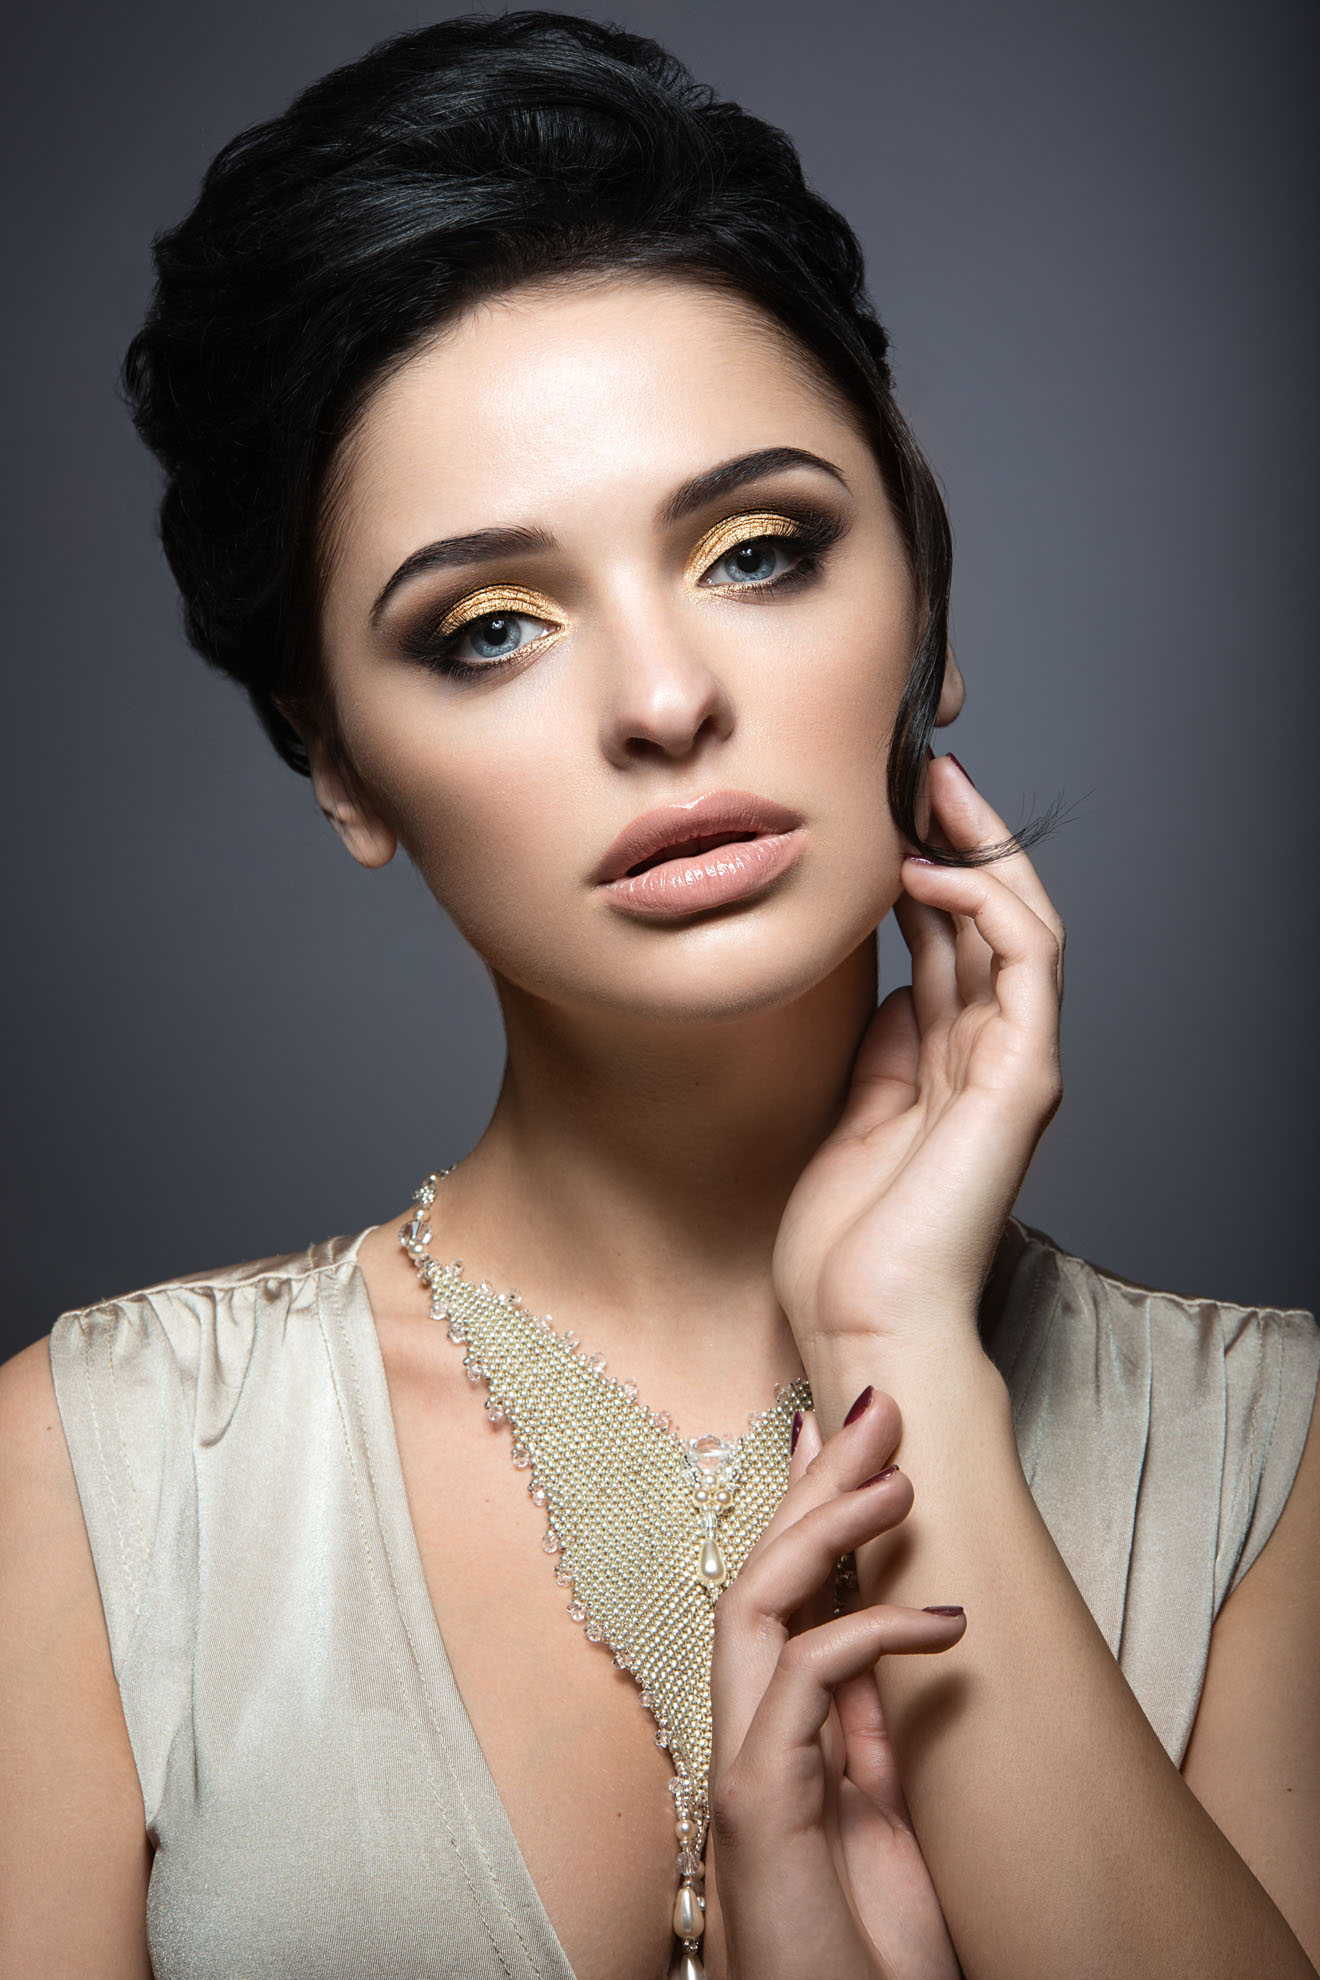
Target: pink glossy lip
(681,858)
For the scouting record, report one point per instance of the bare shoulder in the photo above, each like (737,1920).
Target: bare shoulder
(1253,1760)
(66,1767)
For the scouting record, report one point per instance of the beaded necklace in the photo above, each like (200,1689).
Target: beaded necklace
(643,1528)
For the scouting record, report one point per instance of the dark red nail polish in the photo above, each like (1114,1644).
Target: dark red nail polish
(916,859)
(953,759)
(930,754)
(950,1609)
(795,1432)
(860,1404)
(889,1471)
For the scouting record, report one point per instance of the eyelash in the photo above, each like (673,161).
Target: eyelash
(813,534)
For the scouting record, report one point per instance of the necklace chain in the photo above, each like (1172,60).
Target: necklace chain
(643,1527)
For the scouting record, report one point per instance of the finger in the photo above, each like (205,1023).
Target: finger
(969,823)
(869,1758)
(809,1443)
(857,1450)
(753,1615)
(779,1755)
(884,1072)
(1027,956)
(931,940)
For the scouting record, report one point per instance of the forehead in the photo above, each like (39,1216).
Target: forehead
(592,397)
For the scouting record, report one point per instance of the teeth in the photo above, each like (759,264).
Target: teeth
(686,848)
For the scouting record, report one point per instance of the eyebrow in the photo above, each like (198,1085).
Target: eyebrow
(484,546)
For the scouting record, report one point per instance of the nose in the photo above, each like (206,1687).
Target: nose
(663,699)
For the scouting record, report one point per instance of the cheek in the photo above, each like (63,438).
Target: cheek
(485,809)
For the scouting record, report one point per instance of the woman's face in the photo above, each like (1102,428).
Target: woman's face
(604,551)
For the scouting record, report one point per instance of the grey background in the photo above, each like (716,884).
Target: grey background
(1087,230)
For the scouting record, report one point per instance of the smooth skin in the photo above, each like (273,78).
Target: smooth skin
(715,1156)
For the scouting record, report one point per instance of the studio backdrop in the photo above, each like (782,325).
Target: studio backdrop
(1088,232)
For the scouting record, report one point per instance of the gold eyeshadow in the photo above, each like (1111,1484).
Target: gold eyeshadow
(496,598)
(726,536)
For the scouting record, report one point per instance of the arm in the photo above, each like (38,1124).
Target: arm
(1061,1839)
(1060,1836)
(74,1855)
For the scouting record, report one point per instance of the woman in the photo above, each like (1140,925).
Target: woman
(531,459)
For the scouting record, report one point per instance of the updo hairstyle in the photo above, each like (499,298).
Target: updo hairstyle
(447,166)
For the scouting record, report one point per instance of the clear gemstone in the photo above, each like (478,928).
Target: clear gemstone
(539,1495)
(710,1454)
(647,1700)
(473,1370)
(521,1456)
(569,1338)
(550,1545)
(620,1661)
(630,1390)
(596,1363)
(594,1633)
(495,1413)
(457,1331)
(664,1421)
(689,1865)
(662,1741)
(576,1612)
(562,1574)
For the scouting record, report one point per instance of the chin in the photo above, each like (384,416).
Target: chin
(726,969)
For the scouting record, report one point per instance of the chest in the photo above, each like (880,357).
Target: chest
(569,1746)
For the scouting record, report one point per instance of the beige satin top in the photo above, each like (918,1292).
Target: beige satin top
(317,1797)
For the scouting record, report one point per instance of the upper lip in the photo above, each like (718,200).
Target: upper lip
(719,814)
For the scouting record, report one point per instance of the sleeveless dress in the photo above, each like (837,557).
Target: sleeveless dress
(317,1798)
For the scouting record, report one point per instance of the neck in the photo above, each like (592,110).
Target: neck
(640,1172)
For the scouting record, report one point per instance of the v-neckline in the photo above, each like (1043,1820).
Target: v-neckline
(413,1607)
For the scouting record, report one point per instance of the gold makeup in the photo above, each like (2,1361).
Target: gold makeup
(734,530)
(496,599)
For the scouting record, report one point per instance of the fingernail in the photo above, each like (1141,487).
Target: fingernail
(889,1471)
(948,1609)
(953,759)
(795,1432)
(916,859)
(860,1404)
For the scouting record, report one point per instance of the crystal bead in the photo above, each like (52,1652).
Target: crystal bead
(647,1701)
(689,1865)
(710,1454)
(576,1612)
(551,1543)
(562,1575)
(521,1456)
(457,1331)
(596,1363)
(620,1661)
(495,1413)
(485,1286)
(664,1421)
(594,1633)
(511,1298)
(662,1741)
(455,1266)
(539,1495)
(629,1390)
(473,1370)
(569,1338)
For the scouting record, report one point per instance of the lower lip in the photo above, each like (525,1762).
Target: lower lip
(706,880)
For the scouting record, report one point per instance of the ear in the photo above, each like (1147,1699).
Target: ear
(952,694)
(366,834)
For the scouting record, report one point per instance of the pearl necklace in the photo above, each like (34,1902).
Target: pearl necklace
(643,1528)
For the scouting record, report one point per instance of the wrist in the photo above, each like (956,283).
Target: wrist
(947,1368)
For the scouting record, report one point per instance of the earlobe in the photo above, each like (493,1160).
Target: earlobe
(366,835)
(952,694)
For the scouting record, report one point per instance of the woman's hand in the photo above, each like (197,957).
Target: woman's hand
(818,1869)
(892,1227)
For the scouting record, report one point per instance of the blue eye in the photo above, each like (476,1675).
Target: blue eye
(495,636)
(759,561)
